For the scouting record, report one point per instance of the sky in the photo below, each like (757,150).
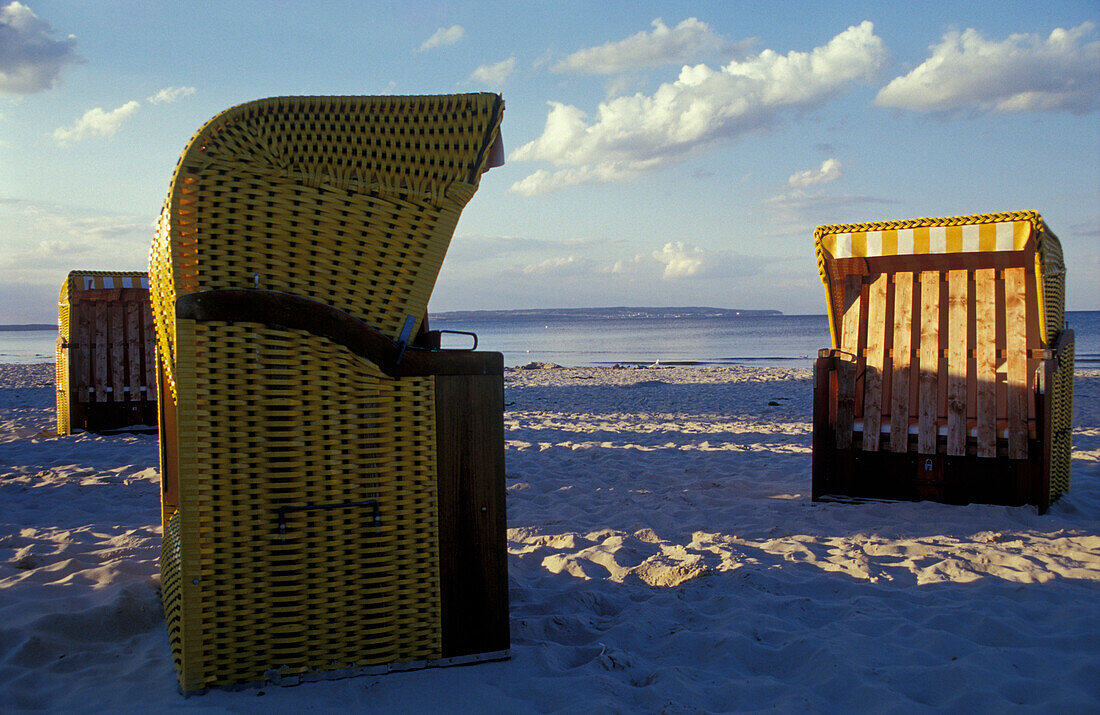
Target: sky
(658,153)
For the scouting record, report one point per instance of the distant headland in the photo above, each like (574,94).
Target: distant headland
(30,326)
(617,312)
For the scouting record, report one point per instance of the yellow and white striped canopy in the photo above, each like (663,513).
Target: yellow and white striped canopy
(921,240)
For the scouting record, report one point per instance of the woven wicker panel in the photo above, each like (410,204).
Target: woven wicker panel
(334,591)
(1052,272)
(351,201)
(170,587)
(1061,426)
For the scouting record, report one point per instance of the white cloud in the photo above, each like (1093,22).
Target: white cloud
(798,212)
(30,58)
(1023,73)
(630,135)
(443,37)
(494,75)
(96,122)
(170,94)
(681,261)
(691,38)
(829,171)
(567,264)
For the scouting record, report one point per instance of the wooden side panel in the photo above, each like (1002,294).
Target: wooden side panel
(99,371)
(956,361)
(116,321)
(903,331)
(985,307)
(929,361)
(876,362)
(1016,347)
(472,521)
(846,366)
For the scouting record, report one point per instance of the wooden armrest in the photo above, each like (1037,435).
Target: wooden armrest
(294,312)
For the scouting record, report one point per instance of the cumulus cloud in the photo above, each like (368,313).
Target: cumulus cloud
(681,261)
(30,58)
(170,94)
(664,45)
(631,135)
(829,171)
(96,122)
(494,75)
(443,36)
(1023,73)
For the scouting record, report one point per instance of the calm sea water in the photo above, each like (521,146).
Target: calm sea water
(769,340)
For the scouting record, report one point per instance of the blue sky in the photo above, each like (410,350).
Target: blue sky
(659,154)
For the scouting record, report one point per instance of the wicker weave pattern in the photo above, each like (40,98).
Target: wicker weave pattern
(347,200)
(350,202)
(1061,427)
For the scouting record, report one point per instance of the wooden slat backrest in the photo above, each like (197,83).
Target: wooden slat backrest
(99,376)
(973,331)
(957,319)
(149,346)
(985,372)
(902,358)
(929,361)
(875,362)
(846,369)
(116,319)
(133,343)
(1016,335)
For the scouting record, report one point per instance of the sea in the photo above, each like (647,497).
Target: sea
(621,336)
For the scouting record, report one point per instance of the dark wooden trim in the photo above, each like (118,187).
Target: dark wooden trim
(293,312)
(823,440)
(473,546)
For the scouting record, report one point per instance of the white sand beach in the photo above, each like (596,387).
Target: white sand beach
(664,557)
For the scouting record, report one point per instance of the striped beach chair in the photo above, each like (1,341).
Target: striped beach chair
(950,376)
(333,494)
(106,367)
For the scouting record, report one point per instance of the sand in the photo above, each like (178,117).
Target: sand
(664,556)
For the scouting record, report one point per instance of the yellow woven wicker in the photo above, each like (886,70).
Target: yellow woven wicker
(982,241)
(104,357)
(299,501)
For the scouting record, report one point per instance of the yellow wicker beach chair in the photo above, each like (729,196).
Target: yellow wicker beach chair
(333,495)
(951,374)
(105,369)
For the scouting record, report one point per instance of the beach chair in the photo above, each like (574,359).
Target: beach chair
(105,367)
(332,494)
(950,376)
